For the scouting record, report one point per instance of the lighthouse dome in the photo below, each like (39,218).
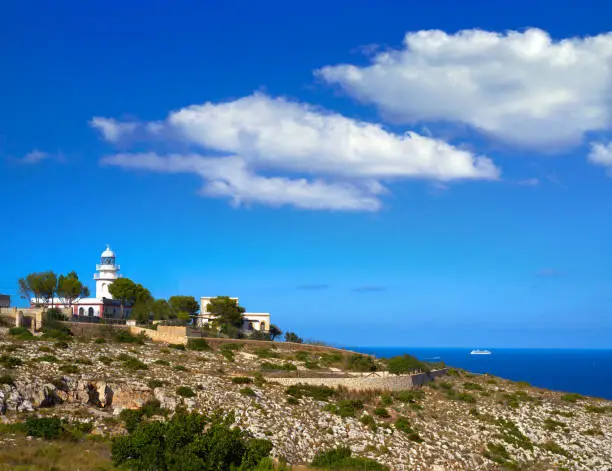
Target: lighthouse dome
(108,253)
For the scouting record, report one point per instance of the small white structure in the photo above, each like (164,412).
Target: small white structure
(103,304)
(252,320)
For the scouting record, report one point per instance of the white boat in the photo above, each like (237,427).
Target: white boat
(480,352)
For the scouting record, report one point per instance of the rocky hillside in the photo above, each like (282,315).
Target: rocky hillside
(459,422)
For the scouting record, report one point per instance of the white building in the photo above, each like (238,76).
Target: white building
(103,304)
(252,320)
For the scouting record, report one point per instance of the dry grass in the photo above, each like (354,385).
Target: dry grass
(19,454)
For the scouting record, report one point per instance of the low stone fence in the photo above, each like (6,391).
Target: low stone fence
(164,333)
(362,383)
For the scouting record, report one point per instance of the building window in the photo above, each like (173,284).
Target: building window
(81,311)
(90,311)
(262,326)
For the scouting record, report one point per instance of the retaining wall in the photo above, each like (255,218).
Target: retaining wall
(385,383)
(164,333)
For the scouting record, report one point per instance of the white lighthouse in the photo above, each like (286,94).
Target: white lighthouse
(107,273)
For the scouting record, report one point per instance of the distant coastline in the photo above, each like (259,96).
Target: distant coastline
(572,370)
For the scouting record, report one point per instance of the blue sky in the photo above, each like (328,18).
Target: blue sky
(259,149)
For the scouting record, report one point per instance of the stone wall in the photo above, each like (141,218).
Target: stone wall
(164,333)
(27,317)
(384,383)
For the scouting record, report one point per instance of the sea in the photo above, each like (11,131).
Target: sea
(587,372)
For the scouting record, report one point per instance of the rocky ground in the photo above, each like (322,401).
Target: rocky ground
(460,422)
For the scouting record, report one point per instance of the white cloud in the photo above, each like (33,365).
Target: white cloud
(277,135)
(520,87)
(113,130)
(601,154)
(35,157)
(230,177)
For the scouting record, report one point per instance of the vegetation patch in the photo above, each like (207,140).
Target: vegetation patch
(597,409)
(382,412)
(177,346)
(472,386)
(106,360)
(7,379)
(498,453)
(156,383)
(556,449)
(133,364)
(410,396)
(248,392)
(593,432)
(190,442)
(405,364)
(242,380)
(198,345)
(571,397)
(21,333)
(515,399)
(70,369)
(341,459)
(48,359)
(346,408)
(403,425)
(268,366)
(553,425)
(162,362)
(318,393)
(181,368)
(510,433)
(185,391)
(123,336)
(361,363)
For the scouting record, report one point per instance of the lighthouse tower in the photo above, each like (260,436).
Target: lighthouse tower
(107,273)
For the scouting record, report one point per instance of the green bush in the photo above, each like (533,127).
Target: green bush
(556,449)
(123,336)
(10,362)
(368,421)
(345,408)
(134,364)
(177,346)
(198,345)
(242,380)
(472,386)
(7,379)
(412,395)
(405,364)
(228,354)
(266,365)
(61,344)
(233,347)
(248,392)
(185,391)
(362,363)
(44,427)
(99,340)
(45,349)
(268,353)
(328,359)
(382,412)
(180,368)
(21,333)
(48,359)
(403,425)
(340,459)
(155,383)
(189,442)
(571,397)
(70,369)
(319,393)
(162,362)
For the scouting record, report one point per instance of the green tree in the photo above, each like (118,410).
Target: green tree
(125,290)
(292,337)
(186,304)
(70,289)
(41,286)
(162,310)
(404,364)
(274,331)
(142,310)
(228,313)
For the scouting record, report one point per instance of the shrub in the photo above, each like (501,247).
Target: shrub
(340,459)
(248,392)
(472,386)
(512,434)
(45,349)
(328,359)
(382,412)
(403,425)
(152,407)
(99,340)
(319,393)
(123,336)
(61,344)
(83,361)
(412,395)
(266,365)
(155,383)
(70,369)
(362,363)
(292,337)
(198,345)
(181,368)
(368,421)
(130,418)
(299,356)
(189,442)
(48,358)
(45,427)
(10,362)
(21,333)
(386,399)
(177,346)
(7,379)
(268,353)
(233,347)
(185,391)
(571,397)
(134,364)
(162,362)
(228,354)
(404,364)
(552,425)
(556,449)
(498,453)
(346,408)
(597,409)
(293,400)
(242,380)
